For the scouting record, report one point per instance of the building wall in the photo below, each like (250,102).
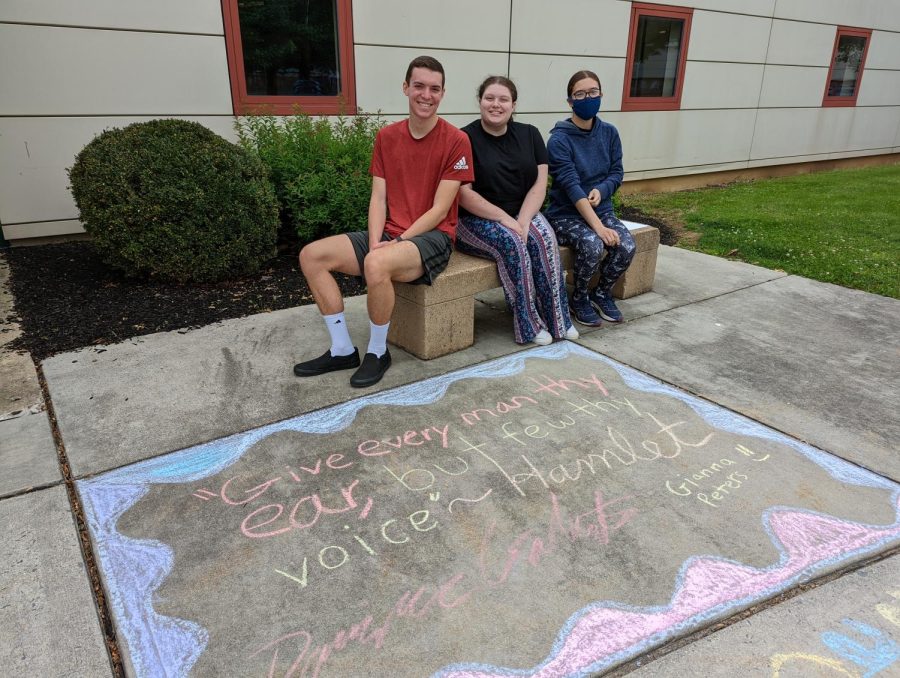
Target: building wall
(70,70)
(752,96)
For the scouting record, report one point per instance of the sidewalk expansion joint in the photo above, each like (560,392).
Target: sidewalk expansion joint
(30,490)
(710,298)
(87,551)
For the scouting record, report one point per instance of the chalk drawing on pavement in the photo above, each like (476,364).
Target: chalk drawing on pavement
(596,636)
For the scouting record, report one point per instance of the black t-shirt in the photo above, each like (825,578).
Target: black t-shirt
(506,166)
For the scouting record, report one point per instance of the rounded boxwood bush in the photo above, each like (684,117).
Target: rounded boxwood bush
(172,199)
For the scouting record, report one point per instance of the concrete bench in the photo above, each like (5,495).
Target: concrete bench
(431,321)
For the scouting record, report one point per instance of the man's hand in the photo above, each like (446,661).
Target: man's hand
(387,243)
(594,197)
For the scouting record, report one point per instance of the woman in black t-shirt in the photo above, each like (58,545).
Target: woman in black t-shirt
(500,219)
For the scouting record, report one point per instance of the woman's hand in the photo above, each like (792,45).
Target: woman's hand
(514,226)
(524,227)
(609,237)
(594,197)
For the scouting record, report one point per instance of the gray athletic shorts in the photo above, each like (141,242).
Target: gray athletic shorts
(434,248)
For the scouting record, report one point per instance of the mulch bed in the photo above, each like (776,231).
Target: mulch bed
(67,298)
(668,235)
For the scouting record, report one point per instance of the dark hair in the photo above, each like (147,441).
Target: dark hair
(498,80)
(581,75)
(428,62)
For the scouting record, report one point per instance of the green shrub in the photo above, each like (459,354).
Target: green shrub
(172,199)
(320,168)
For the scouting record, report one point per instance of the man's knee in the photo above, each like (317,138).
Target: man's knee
(312,257)
(400,262)
(328,254)
(376,267)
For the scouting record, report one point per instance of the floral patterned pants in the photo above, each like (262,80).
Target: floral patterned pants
(530,273)
(588,247)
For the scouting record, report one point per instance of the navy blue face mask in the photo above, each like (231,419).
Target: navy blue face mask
(586,108)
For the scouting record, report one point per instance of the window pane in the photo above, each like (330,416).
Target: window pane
(290,47)
(656,53)
(845,71)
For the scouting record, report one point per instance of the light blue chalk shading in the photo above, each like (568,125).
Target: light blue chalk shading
(882,653)
(133,569)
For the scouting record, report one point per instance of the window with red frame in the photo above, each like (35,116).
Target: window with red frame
(290,54)
(847,62)
(657,53)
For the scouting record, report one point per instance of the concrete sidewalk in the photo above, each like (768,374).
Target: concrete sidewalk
(771,368)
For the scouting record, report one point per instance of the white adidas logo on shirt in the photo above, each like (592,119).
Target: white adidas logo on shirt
(461,164)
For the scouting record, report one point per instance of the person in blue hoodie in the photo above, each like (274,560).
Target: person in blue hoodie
(585,156)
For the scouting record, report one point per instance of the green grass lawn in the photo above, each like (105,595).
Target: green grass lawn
(841,227)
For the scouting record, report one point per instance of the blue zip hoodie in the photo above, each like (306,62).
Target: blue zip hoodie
(581,160)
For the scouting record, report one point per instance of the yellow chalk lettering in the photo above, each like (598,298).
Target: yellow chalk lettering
(417,524)
(344,557)
(535,432)
(889,612)
(384,526)
(777,662)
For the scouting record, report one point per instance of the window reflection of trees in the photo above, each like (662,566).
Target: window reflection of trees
(845,71)
(290,47)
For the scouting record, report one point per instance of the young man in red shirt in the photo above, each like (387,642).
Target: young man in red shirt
(418,165)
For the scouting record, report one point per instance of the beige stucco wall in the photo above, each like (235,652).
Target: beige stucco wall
(752,94)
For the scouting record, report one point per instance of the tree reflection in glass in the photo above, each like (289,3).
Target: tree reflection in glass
(845,72)
(290,47)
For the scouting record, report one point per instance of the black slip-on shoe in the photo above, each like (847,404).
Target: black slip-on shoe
(327,363)
(372,370)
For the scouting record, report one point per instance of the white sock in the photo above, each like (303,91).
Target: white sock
(378,339)
(341,344)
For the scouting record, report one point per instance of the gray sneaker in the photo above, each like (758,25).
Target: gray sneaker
(605,306)
(584,312)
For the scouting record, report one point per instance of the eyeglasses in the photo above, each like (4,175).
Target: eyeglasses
(590,94)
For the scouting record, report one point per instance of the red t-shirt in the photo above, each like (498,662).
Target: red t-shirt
(413,168)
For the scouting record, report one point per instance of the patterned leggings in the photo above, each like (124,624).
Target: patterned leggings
(531,274)
(589,247)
